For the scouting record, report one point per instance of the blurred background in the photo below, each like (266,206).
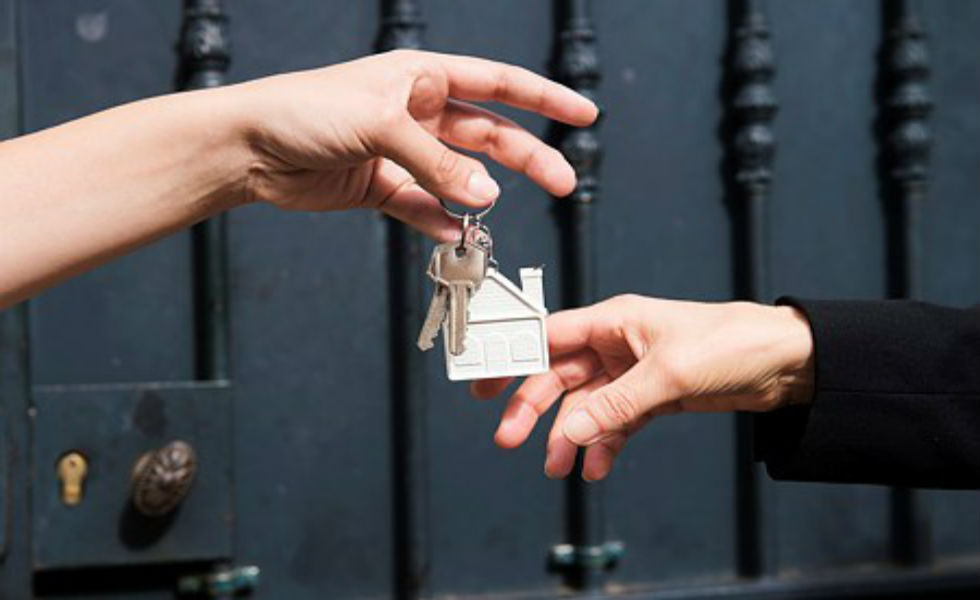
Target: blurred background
(747,149)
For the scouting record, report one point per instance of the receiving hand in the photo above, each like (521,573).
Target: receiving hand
(629,359)
(373,133)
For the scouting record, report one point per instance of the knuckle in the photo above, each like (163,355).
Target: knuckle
(540,97)
(617,408)
(447,167)
(406,54)
(675,375)
(389,116)
(501,84)
(491,139)
(630,298)
(623,301)
(535,159)
(414,63)
(617,310)
(614,444)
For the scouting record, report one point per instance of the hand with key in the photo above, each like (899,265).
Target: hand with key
(374,133)
(624,361)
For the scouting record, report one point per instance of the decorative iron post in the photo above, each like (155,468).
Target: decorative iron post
(904,107)
(752,108)
(402,27)
(586,556)
(204,58)
(753,144)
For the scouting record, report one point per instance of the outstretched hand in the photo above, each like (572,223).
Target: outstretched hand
(379,132)
(624,361)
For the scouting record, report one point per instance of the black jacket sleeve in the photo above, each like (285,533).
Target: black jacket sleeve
(897,398)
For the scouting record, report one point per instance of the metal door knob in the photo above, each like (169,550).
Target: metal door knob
(162,478)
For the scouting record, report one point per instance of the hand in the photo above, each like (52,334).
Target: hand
(629,359)
(372,133)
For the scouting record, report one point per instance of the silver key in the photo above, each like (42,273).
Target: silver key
(439,306)
(458,270)
(436,315)
(463,269)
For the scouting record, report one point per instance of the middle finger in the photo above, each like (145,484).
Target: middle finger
(480,130)
(538,392)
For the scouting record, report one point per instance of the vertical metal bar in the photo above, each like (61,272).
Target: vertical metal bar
(16,459)
(904,106)
(577,65)
(751,149)
(204,58)
(205,53)
(15,447)
(402,27)
(10,323)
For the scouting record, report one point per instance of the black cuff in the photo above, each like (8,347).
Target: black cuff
(895,398)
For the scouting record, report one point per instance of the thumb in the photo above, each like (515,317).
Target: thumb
(439,169)
(615,407)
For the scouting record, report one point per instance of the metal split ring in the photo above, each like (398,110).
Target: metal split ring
(476,217)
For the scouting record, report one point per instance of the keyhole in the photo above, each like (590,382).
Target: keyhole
(72,468)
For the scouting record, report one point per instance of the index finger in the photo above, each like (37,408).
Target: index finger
(568,331)
(481,80)
(571,330)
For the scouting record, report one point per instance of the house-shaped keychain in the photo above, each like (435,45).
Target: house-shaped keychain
(505,333)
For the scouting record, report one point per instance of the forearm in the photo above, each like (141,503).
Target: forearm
(77,195)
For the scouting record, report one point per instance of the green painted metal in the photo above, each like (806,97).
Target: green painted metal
(310,463)
(112,425)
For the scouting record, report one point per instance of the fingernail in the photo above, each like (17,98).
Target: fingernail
(580,428)
(482,187)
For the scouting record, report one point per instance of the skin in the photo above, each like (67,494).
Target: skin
(374,133)
(378,133)
(623,362)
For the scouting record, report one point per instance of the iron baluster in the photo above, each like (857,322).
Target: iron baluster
(204,58)
(587,555)
(751,148)
(402,27)
(904,106)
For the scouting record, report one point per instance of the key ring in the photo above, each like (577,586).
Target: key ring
(475,217)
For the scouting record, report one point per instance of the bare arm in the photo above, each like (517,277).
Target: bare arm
(371,133)
(77,195)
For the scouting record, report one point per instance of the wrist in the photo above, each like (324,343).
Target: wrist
(796,368)
(222,126)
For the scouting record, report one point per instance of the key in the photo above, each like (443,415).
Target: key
(462,269)
(435,316)
(439,307)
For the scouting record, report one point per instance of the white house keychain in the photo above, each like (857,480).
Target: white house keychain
(490,327)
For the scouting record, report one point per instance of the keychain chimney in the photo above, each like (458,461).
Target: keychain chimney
(532,284)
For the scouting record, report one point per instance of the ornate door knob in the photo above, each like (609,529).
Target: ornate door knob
(161,478)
